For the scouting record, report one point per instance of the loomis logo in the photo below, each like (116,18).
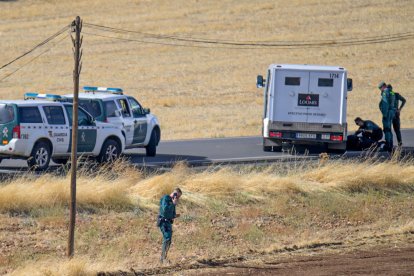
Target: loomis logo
(308,100)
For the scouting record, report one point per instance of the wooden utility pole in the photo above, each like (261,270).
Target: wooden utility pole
(77,54)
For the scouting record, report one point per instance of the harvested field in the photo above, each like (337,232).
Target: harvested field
(208,92)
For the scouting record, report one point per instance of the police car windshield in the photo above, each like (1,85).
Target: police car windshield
(6,113)
(92,106)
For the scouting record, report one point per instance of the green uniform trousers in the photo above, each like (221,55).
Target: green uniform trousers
(386,123)
(396,124)
(166,230)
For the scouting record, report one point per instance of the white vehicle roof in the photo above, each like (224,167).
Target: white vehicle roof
(96,95)
(306,67)
(30,102)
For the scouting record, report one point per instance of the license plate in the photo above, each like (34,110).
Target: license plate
(306,135)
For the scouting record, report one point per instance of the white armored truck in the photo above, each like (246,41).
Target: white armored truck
(305,104)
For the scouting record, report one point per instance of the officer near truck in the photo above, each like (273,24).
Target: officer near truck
(387,108)
(367,135)
(396,123)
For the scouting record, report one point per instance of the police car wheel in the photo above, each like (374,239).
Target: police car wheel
(110,151)
(151,149)
(40,157)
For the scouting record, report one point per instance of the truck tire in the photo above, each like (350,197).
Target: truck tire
(110,151)
(151,148)
(40,156)
(60,161)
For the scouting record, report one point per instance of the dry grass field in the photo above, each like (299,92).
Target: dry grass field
(226,214)
(208,92)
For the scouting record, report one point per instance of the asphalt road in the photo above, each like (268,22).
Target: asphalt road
(212,151)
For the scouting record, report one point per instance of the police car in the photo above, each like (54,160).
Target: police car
(140,128)
(39,129)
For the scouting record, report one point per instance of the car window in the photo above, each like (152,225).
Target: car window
(136,107)
(6,113)
(30,115)
(92,106)
(110,108)
(83,118)
(123,104)
(54,115)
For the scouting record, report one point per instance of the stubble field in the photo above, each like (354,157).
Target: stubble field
(208,92)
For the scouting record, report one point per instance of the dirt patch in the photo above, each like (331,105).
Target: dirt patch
(375,255)
(394,261)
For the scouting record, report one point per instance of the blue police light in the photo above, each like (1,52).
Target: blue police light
(94,89)
(49,97)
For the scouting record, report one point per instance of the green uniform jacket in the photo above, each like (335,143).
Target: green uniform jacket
(387,102)
(167,207)
(369,125)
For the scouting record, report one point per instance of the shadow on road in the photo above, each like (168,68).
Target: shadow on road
(163,159)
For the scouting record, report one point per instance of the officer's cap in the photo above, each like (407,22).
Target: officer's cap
(381,84)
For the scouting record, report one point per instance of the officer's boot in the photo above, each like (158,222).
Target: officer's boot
(164,252)
(167,248)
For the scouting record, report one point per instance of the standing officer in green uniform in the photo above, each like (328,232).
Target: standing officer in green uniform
(396,123)
(166,218)
(387,107)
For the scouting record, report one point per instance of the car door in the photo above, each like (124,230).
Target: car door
(87,130)
(57,128)
(127,119)
(140,121)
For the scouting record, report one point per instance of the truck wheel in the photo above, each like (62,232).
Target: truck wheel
(60,161)
(110,151)
(151,148)
(40,157)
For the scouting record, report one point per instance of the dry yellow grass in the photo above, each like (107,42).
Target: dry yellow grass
(224,213)
(122,186)
(99,191)
(209,92)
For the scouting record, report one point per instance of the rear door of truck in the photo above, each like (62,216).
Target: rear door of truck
(308,97)
(328,85)
(289,85)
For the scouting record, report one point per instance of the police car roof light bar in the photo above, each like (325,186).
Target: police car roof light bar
(117,91)
(49,97)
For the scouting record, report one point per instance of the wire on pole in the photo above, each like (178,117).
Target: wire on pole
(189,41)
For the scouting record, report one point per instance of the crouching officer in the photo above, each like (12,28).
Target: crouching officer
(396,123)
(166,218)
(368,134)
(387,107)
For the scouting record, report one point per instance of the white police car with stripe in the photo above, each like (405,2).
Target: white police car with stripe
(140,128)
(39,129)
